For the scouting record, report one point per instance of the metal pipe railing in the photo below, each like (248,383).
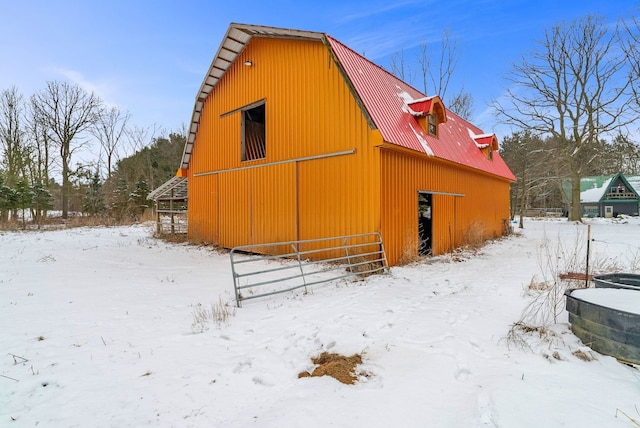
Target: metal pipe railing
(258,272)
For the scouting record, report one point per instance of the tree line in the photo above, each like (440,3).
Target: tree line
(42,137)
(572,104)
(541,170)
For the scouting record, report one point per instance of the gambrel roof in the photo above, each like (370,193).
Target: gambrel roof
(388,103)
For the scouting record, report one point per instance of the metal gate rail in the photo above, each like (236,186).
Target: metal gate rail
(329,259)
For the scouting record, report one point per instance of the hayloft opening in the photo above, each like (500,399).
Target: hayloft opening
(254,144)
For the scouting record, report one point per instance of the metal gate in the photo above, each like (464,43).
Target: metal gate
(287,266)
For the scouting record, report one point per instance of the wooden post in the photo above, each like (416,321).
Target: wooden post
(173,231)
(158,229)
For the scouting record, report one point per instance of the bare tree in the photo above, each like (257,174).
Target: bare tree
(437,74)
(400,68)
(110,128)
(66,111)
(141,138)
(622,156)
(575,89)
(436,71)
(40,162)
(12,135)
(461,104)
(631,47)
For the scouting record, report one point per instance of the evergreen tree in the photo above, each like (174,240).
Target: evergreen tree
(93,203)
(8,200)
(120,200)
(138,198)
(42,201)
(24,198)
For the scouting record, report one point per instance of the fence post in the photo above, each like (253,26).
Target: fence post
(346,251)
(235,280)
(304,280)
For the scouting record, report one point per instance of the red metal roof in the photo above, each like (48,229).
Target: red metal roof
(486,140)
(424,106)
(387,98)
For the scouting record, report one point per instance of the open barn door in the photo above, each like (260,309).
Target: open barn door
(425,224)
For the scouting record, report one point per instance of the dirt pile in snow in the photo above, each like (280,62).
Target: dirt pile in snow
(335,365)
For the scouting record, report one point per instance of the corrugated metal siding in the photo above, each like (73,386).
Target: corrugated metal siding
(235,208)
(334,201)
(310,111)
(273,203)
(203,200)
(485,204)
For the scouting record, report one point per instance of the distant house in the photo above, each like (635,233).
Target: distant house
(294,136)
(608,195)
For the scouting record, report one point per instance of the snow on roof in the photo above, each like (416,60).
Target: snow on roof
(484,140)
(424,143)
(595,193)
(385,98)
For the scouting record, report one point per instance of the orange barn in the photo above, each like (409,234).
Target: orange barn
(294,136)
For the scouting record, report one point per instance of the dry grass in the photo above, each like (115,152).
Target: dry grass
(50,223)
(409,251)
(363,267)
(584,356)
(547,289)
(217,313)
(173,238)
(10,226)
(475,236)
(536,285)
(519,333)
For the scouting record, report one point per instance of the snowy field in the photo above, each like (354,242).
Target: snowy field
(97,330)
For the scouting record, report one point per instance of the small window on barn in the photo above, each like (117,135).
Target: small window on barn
(433,125)
(254,145)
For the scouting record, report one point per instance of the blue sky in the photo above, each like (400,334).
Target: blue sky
(150,57)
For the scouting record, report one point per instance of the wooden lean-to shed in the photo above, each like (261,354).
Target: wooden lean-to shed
(294,136)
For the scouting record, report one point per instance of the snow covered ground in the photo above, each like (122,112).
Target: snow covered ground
(96,329)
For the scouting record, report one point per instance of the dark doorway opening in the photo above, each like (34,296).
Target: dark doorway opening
(425,223)
(254,144)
